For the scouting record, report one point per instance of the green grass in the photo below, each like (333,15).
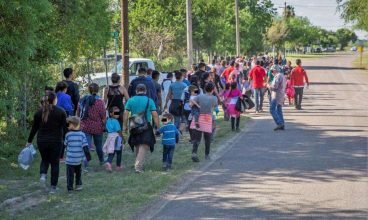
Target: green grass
(364,65)
(105,195)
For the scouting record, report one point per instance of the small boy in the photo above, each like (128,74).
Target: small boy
(194,91)
(169,138)
(76,149)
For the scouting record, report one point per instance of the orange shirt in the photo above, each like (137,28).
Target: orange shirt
(227,72)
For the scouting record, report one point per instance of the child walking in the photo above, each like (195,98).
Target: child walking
(76,149)
(114,142)
(170,136)
(194,91)
(289,90)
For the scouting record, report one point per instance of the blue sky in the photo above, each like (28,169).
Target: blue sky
(322,13)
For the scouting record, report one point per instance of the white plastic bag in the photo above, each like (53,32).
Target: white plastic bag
(26,156)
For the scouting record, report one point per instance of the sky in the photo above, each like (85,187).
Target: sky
(322,13)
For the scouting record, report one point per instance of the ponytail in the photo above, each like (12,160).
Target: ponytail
(47,105)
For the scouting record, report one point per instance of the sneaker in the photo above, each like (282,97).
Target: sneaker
(207,157)
(119,168)
(78,187)
(279,127)
(108,167)
(53,190)
(85,170)
(43,180)
(62,160)
(164,167)
(195,158)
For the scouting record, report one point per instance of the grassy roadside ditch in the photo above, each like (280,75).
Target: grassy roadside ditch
(114,195)
(356,62)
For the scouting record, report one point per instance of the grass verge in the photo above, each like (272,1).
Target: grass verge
(114,195)
(356,62)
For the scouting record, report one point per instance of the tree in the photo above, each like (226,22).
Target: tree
(355,11)
(344,36)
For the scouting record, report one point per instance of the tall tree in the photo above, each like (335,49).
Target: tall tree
(355,11)
(345,36)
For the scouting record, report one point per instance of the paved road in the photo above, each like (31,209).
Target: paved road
(317,168)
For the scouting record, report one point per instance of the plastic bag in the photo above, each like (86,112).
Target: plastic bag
(26,156)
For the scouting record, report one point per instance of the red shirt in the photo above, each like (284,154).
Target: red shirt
(297,76)
(257,74)
(227,72)
(94,123)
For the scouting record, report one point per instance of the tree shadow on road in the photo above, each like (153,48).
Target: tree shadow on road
(249,180)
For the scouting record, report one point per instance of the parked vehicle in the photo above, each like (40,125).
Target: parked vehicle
(134,64)
(353,48)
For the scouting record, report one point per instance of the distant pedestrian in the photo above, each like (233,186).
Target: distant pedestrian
(73,88)
(50,125)
(170,136)
(290,92)
(76,149)
(156,78)
(231,99)
(277,88)
(165,85)
(258,76)
(147,81)
(64,100)
(175,95)
(298,75)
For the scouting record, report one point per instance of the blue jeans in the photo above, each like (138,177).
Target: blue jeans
(167,155)
(177,121)
(276,112)
(258,96)
(97,140)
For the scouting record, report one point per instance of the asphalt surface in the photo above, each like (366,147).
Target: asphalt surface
(316,168)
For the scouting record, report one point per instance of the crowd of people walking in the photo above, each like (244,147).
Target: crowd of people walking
(69,127)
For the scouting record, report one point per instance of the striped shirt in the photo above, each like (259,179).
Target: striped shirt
(169,133)
(74,142)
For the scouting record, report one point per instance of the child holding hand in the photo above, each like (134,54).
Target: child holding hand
(114,142)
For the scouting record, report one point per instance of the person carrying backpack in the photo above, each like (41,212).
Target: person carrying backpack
(114,96)
(91,110)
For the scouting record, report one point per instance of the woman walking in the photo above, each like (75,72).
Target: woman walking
(115,94)
(93,116)
(207,103)
(50,124)
(143,141)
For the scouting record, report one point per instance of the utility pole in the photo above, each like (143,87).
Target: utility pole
(189,34)
(237,27)
(125,42)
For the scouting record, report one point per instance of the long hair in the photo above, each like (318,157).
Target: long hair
(47,105)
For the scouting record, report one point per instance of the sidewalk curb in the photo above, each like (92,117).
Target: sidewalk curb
(151,210)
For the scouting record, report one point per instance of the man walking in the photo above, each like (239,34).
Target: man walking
(297,77)
(143,79)
(277,88)
(73,89)
(258,76)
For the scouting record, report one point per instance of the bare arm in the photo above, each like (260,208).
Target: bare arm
(155,119)
(106,90)
(124,91)
(125,120)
